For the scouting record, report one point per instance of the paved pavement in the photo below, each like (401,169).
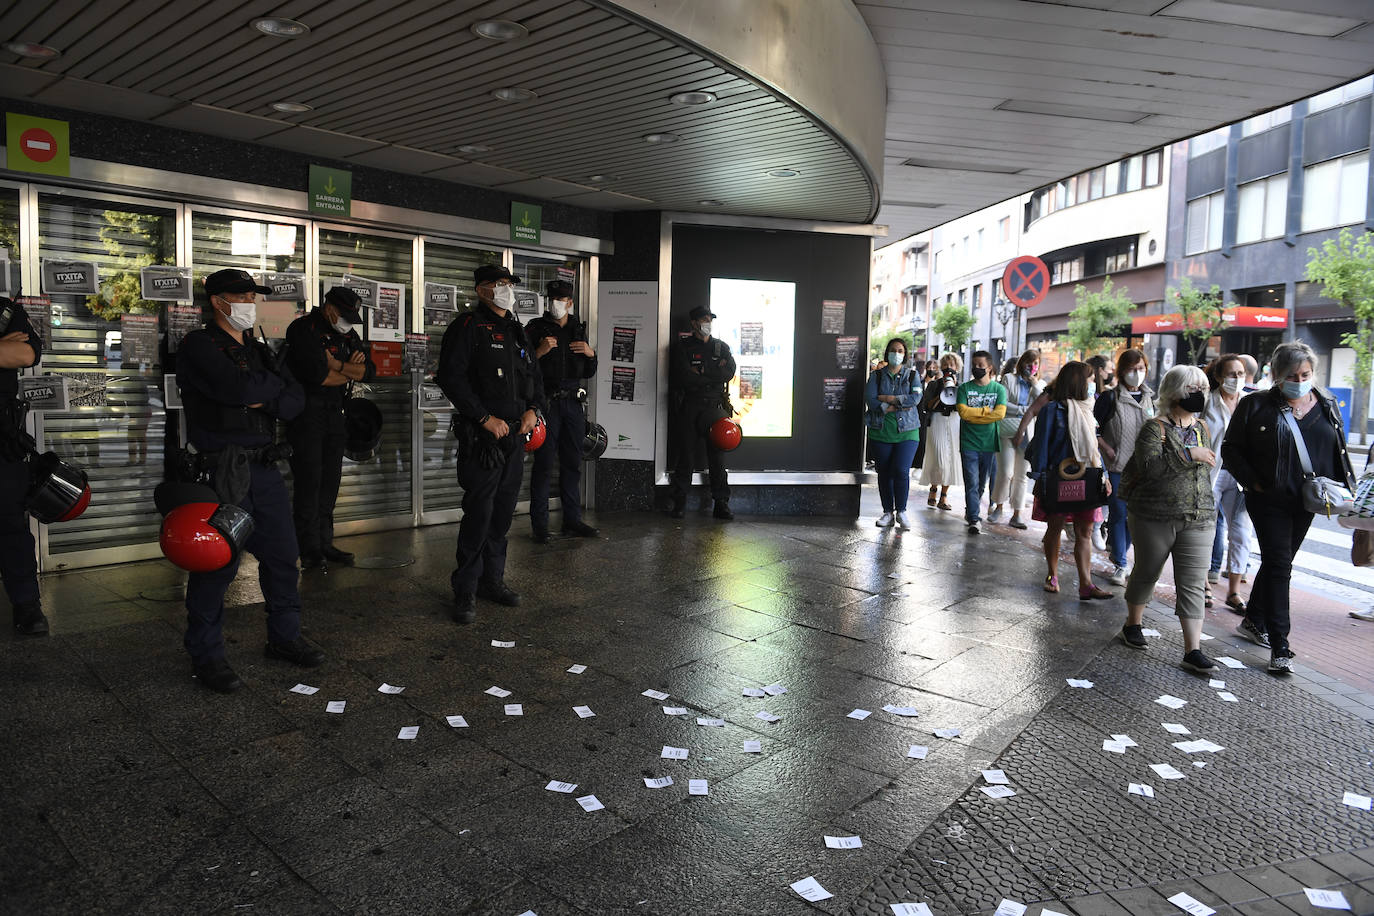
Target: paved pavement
(126,789)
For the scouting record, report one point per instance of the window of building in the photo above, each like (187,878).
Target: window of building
(1263,205)
(996,290)
(1205,143)
(1341,94)
(1113,182)
(1119,258)
(980,242)
(1096,180)
(949,298)
(963,296)
(1066,271)
(1154,163)
(977,296)
(937,263)
(1270,119)
(1334,191)
(1133,173)
(1004,228)
(1204,224)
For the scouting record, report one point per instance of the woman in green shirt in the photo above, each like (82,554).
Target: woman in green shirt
(894,429)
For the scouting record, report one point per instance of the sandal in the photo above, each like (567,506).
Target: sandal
(944,505)
(930,501)
(1093,592)
(1207,598)
(1052,583)
(1234,602)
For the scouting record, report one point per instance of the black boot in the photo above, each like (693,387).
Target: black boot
(335,555)
(29,619)
(679,509)
(217,676)
(722,510)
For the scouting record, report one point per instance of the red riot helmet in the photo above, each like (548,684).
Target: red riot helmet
(536,436)
(726,434)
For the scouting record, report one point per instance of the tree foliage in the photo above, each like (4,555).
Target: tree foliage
(1096,317)
(1344,266)
(953,322)
(1203,315)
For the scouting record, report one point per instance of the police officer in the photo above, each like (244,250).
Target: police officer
(326,356)
(20,348)
(233,394)
(565,359)
(486,369)
(700,366)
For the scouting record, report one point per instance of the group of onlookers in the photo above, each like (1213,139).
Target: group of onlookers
(1184,474)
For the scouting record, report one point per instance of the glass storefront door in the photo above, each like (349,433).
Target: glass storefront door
(448,265)
(381,486)
(111,357)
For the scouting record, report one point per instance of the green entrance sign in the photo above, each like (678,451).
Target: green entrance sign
(331,191)
(524,223)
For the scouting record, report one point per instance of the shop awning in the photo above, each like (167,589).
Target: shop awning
(1240,316)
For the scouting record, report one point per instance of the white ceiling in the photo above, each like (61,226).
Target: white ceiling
(402,84)
(949,66)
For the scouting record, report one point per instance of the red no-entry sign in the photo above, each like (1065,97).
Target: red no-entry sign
(38,144)
(1026,281)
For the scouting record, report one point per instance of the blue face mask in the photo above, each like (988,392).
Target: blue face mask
(1295,390)
(895,359)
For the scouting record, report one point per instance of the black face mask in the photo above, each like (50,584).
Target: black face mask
(979,372)
(1195,402)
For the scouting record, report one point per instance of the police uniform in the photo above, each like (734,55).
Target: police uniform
(486,370)
(18,561)
(317,435)
(565,421)
(219,378)
(699,370)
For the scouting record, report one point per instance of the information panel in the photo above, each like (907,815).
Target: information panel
(757,318)
(627,377)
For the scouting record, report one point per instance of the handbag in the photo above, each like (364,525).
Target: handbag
(1320,495)
(1071,487)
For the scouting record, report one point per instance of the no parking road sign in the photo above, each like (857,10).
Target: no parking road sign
(1026,281)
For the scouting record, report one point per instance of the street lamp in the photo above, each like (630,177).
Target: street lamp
(1004,312)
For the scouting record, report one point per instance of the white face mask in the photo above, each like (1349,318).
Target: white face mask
(895,358)
(504,297)
(560,308)
(343,325)
(1134,378)
(705,328)
(242,315)
(1230,385)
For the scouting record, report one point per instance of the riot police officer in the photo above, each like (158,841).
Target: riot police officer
(233,393)
(565,359)
(700,366)
(20,348)
(326,356)
(487,371)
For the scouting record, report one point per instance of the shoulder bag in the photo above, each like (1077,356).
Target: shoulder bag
(1320,495)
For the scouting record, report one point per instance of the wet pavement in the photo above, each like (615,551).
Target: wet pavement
(127,789)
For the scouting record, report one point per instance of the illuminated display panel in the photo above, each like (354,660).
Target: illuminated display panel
(757,318)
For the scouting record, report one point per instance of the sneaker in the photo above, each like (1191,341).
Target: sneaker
(1118,576)
(1133,635)
(973,528)
(1196,661)
(1099,542)
(1247,630)
(995,514)
(1281,662)
(903,522)
(884,520)
(1213,576)
(1017,523)
(1362,615)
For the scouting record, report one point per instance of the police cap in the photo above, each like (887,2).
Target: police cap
(346,301)
(559,289)
(489,272)
(233,280)
(700,312)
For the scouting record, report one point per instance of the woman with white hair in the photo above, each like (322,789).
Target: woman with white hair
(1264,447)
(1170,510)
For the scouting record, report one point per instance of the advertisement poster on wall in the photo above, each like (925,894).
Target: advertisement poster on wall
(757,319)
(384,321)
(627,380)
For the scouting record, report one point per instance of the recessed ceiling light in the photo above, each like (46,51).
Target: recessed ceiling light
(281,28)
(292,107)
(514,94)
(1086,112)
(499,30)
(32,49)
(474,148)
(783,173)
(692,98)
(661,138)
(708,203)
